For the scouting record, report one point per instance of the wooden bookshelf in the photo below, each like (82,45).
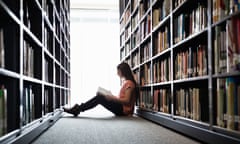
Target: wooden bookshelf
(34,66)
(185,57)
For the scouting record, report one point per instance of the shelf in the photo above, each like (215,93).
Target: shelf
(28,134)
(236,73)
(8,73)
(180,6)
(160,24)
(227,132)
(30,79)
(201,124)
(9,137)
(135,9)
(226,18)
(34,66)
(38,4)
(12,8)
(162,83)
(192,79)
(48,23)
(135,29)
(191,37)
(32,36)
(174,63)
(168,50)
(144,15)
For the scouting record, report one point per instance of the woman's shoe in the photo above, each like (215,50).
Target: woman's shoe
(75,110)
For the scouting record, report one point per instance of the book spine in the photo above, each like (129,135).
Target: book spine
(238,109)
(3,110)
(2,49)
(188,103)
(220,98)
(235,100)
(230,103)
(156,100)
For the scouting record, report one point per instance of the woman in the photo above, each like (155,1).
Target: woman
(121,105)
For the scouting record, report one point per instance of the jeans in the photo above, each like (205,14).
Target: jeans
(112,106)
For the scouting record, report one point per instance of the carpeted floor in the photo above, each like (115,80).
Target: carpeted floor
(109,129)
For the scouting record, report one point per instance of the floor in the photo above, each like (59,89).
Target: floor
(98,126)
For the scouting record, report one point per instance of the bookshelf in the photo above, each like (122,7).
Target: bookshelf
(185,57)
(34,66)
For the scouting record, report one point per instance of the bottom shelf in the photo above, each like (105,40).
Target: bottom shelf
(202,134)
(28,134)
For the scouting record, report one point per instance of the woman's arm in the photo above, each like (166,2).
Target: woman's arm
(123,100)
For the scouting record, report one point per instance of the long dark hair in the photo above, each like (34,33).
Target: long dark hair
(126,71)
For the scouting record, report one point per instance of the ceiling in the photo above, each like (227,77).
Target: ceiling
(94,4)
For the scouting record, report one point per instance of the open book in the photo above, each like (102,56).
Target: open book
(103,91)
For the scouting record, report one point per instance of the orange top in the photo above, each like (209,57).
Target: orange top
(127,108)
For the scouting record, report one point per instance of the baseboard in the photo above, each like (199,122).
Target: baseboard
(198,133)
(28,135)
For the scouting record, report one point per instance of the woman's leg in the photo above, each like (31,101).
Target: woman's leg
(112,106)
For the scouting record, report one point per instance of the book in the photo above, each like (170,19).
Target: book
(238,45)
(28,105)
(220,101)
(231,47)
(230,102)
(238,107)
(188,103)
(156,99)
(46,101)
(3,110)
(46,70)
(2,59)
(28,59)
(103,91)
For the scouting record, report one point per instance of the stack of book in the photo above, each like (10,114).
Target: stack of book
(228,103)
(227,47)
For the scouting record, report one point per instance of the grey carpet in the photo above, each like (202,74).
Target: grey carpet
(109,130)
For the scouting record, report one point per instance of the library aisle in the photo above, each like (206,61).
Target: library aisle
(92,128)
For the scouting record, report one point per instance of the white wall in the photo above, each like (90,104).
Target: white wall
(94,52)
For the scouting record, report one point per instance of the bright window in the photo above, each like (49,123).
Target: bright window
(94,52)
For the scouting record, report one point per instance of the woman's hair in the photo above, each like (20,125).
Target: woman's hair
(126,71)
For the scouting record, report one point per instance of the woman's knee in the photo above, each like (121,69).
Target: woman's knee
(101,97)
